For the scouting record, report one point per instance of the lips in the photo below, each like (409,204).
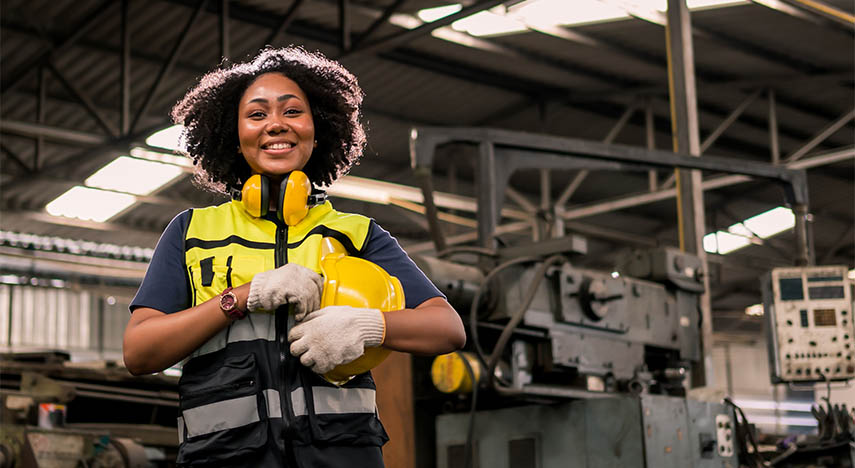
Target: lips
(282,145)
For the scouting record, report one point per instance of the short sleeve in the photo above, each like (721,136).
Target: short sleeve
(165,286)
(384,250)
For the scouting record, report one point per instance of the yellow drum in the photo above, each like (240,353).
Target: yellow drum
(355,282)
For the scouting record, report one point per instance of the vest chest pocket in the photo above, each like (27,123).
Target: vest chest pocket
(223,411)
(211,275)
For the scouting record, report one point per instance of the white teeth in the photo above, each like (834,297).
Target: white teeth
(279,146)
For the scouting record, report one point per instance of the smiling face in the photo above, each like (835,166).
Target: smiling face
(275,127)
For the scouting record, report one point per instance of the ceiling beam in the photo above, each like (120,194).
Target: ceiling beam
(399,39)
(96,14)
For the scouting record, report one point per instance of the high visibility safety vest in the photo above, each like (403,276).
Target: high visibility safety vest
(242,394)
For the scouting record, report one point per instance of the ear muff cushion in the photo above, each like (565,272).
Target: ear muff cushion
(254,195)
(293,197)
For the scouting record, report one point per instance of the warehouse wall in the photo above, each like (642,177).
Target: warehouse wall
(87,324)
(742,373)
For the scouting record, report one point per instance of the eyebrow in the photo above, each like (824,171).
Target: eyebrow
(281,98)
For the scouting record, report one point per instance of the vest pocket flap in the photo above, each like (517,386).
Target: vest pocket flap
(208,381)
(213,449)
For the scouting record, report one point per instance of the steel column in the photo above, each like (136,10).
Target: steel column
(167,66)
(774,140)
(690,201)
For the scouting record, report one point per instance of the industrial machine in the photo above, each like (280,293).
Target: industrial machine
(810,336)
(573,366)
(57,414)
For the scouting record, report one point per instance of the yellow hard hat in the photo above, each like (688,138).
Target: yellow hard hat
(356,282)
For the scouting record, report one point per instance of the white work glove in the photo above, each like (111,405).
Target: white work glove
(336,335)
(288,284)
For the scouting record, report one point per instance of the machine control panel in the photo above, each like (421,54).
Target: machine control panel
(809,321)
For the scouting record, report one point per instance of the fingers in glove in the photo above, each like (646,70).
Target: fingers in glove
(307,360)
(299,347)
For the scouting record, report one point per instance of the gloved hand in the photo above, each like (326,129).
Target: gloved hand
(288,284)
(336,335)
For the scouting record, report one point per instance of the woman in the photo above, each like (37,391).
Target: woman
(222,279)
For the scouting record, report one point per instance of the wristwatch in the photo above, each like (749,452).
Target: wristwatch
(229,305)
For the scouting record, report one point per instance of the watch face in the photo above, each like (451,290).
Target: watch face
(227,302)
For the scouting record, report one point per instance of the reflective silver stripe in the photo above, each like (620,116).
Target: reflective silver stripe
(180,430)
(256,326)
(221,415)
(330,400)
(274,404)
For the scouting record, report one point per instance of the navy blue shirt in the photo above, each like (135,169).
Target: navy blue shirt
(166,287)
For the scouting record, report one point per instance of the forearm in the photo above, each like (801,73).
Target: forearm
(432,328)
(154,341)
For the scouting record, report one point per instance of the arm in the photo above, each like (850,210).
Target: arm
(433,327)
(154,341)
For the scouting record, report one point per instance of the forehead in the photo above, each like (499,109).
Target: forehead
(270,86)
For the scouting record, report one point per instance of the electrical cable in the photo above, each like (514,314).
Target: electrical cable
(744,434)
(473,311)
(517,317)
(467,249)
(491,362)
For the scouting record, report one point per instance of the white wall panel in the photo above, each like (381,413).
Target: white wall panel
(5,313)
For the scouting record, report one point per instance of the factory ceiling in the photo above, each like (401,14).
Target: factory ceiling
(84,82)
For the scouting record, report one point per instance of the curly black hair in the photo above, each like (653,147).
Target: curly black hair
(209,115)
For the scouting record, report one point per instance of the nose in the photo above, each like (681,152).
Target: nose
(276,126)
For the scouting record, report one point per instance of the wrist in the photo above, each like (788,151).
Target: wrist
(372,322)
(231,305)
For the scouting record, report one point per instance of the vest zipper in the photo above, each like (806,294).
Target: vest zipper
(285,359)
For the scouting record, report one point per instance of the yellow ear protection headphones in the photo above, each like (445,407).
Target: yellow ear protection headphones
(295,197)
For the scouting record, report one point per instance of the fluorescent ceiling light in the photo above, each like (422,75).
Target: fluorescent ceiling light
(429,15)
(771,222)
(773,405)
(89,203)
(169,138)
(754,310)
(131,175)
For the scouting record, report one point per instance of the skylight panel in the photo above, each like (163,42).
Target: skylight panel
(429,15)
(168,138)
(489,23)
(131,175)
(143,153)
(562,12)
(727,242)
(771,222)
(90,204)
